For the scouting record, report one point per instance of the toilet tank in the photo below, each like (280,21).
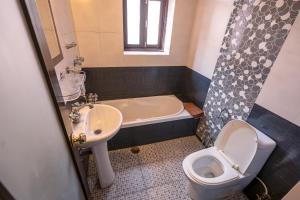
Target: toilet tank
(265,146)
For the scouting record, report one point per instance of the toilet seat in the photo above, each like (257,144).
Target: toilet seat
(228,174)
(230,165)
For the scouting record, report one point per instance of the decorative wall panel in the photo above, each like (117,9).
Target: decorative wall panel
(255,34)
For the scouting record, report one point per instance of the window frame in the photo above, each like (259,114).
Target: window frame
(143,46)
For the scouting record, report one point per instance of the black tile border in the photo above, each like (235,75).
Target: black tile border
(281,171)
(151,133)
(195,87)
(130,82)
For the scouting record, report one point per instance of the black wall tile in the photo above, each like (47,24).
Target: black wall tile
(195,87)
(130,82)
(140,135)
(282,170)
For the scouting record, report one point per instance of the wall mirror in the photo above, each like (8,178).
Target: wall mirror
(41,16)
(48,26)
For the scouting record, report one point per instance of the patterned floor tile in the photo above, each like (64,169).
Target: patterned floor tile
(126,182)
(167,192)
(155,173)
(178,148)
(123,159)
(237,196)
(150,153)
(92,170)
(143,195)
(162,172)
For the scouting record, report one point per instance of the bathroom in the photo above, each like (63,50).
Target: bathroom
(152,99)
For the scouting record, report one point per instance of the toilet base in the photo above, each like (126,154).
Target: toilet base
(196,193)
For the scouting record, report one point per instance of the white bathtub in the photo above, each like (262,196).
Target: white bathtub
(149,110)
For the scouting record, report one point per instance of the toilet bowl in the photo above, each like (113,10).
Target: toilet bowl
(237,156)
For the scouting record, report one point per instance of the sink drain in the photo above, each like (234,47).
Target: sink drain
(135,150)
(97,131)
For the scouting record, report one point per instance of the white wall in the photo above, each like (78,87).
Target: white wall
(281,91)
(35,163)
(210,23)
(99,28)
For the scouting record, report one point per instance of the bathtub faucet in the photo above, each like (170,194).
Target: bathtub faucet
(90,98)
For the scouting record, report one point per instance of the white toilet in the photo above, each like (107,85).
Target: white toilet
(237,156)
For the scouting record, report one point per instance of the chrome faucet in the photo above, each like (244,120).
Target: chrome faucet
(78,61)
(75,114)
(90,100)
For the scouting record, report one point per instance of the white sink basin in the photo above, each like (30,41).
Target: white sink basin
(100,124)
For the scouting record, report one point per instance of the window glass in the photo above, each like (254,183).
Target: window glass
(145,24)
(153,22)
(133,21)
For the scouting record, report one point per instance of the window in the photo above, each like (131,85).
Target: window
(144,24)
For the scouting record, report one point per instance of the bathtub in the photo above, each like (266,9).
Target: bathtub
(149,110)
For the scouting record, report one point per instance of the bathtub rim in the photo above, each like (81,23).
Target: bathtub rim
(183,114)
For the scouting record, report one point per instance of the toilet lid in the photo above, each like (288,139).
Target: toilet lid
(238,142)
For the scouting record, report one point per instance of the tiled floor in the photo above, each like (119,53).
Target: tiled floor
(155,173)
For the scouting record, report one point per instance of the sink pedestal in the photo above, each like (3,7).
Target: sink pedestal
(99,124)
(105,172)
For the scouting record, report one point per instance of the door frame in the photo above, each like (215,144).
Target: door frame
(32,18)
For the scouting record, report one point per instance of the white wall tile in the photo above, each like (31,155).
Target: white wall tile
(111,45)
(111,16)
(281,91)
(210,23)
(89,47)
(86,15)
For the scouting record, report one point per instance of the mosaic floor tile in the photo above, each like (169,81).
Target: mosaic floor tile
(123,159)
(92,170)
(126,182)
(143,195)
(237,196)
(169,149)
(167,192)
(155,173)
(151,153)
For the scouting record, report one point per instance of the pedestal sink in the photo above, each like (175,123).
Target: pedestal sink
(100,124)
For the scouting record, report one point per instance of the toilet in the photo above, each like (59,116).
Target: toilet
(237,156)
